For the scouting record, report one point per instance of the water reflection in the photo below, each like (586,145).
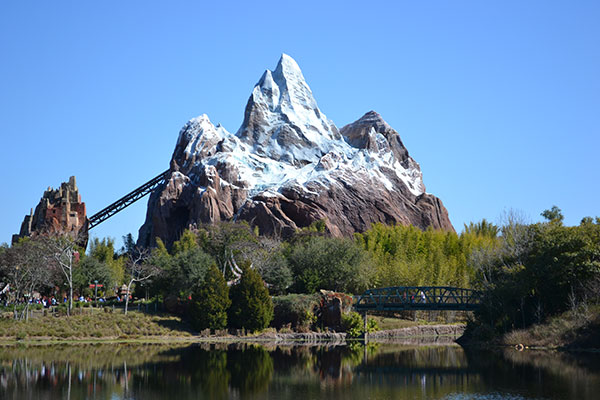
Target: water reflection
(214,371)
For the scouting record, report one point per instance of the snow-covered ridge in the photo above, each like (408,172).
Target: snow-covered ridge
(286,141)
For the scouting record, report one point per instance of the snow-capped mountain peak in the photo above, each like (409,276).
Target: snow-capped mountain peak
(283,121)
(287,166)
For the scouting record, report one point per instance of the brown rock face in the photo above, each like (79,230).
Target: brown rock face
(59,211)
(289,166)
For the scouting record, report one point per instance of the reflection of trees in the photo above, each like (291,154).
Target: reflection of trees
(251,369)
(213,371)
(210,371)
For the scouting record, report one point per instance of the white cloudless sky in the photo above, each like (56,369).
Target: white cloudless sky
(499,101)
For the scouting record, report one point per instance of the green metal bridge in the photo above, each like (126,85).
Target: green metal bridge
(401,298)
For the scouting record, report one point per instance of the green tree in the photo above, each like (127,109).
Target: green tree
(210,301)
(276,271)
(541,270)
(229,239)
(482,228)
(320,262)
(553,215)
(90,270)
(104,251)
(128,244)
(187,242)
(251,306)
(408,256)
(181,270)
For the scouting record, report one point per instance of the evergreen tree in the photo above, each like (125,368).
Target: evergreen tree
(251,306)
(211,301)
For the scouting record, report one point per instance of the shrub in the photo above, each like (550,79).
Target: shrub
(294,310)
(353,324)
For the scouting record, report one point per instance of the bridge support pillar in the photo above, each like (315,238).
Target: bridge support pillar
(365,327)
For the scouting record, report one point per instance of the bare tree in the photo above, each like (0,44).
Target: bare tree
(516,237)
(139,269)
(63,251)
(26,268)
(485,260)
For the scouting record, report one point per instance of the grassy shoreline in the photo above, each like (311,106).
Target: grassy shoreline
(575,330)
(97,326)
(572,331)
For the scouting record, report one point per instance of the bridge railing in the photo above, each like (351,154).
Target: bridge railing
(418,298)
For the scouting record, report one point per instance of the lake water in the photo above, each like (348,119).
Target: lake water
(205,371)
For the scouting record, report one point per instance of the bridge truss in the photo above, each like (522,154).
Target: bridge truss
(402,298)
(126,200)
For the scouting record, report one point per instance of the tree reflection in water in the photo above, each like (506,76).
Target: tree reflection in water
(213,371)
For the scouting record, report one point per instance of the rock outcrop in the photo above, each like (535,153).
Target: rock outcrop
(288,166)
(59,211)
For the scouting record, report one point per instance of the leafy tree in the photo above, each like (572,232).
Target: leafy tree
(227,239)
(251,306)
(353,324)
(187,242)
(211,301)
(540,270)
(276,271)
(104,251)
(90,270)
(187,270)
(298,310)
(482,228)
(553,215)
(338,264)
(408,256)
(181,270)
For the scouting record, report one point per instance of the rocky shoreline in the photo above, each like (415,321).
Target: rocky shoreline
(412,335)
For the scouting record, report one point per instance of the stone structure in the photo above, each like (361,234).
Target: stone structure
(59,211)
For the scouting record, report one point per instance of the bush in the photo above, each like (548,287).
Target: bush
(294,310)
(353,324)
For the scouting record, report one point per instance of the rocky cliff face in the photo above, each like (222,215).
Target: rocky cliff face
(59,211)
(288,166)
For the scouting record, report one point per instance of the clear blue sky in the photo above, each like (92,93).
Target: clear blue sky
(499,101)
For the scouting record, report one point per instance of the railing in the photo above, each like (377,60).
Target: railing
(418,298)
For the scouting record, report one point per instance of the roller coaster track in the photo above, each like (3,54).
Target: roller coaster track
(126,200)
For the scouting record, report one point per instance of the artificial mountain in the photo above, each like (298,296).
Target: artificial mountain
(288,166)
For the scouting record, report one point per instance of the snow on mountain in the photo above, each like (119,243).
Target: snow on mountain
(285,140)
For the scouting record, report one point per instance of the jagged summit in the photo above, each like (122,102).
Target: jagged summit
(288,166)
(282,119)
(372,133)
